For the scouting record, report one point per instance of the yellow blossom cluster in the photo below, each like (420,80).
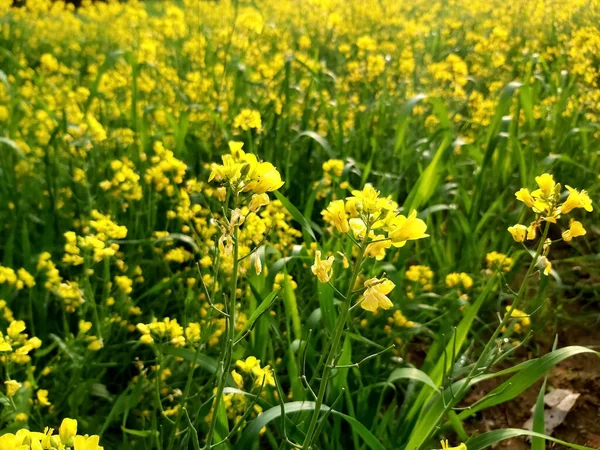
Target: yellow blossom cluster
(520,320)
(66,439)
(124,182)
(168,331)
(19,279)
(243,172)
(15,345)
(495,260)
(547,204)
(105,230)
(421,277)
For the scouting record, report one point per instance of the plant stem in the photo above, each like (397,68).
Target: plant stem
(491,341)
(228,345)
(311,435)
(186,394)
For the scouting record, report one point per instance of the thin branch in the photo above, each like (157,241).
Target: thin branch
(365,359)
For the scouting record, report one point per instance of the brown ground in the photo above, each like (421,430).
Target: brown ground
(580,374)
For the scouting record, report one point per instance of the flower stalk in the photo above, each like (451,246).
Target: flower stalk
(227,352)
(311,434)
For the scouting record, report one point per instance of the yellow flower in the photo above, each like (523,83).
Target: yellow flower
(12,387)
(336,215)
(576,199)
(500,260)
(445,446)
(87,443)
(455,279)
(257,263)
(575,230)
(522,319)
(358,227)
(42,396)
(525,196)
(84,326)
(67,431)
(403,229)
(531,232)
(4,345)
(518,232)
(265,178)
(375,296)
(258,201)
(15,328)
(322,268)
(95,344)
(546,264)
(546,183)
(237,379)
(250,363)
(263,376)
(247,119)
(368,200)
(376,249)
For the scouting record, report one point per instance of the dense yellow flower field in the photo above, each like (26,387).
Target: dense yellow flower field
(291,224)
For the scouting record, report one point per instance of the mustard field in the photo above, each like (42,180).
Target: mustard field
(319,224)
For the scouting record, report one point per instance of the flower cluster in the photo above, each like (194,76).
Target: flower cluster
(421,278)
(15,345)
(66,439)
(375,224)
(546,202)
(243,172)
(97,243)
(168,331)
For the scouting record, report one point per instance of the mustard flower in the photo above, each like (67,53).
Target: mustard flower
(258,201)
(576,199)
(247,119)
(377,247)
(456,279)
(375,294)
(518,232)
(335,214)
(403,229)
(42,396)
(67,431)
(446,446)
(322,268)
(12,387)
(368,200)
(575,230)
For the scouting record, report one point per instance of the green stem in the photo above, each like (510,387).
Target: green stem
(186,394)
(483,356)
(228,345)
(311,435)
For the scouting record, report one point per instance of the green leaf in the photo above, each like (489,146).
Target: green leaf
(492,437)
(429,180)
(429,420)
(538,420)
(404,118)
(412,374)
(297,215)
(264,306)
(328,312)
(179,237)
(251,432)
(206,362)
(291,308)
(138,433)
(318,139)
(519,382)
(12,144)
